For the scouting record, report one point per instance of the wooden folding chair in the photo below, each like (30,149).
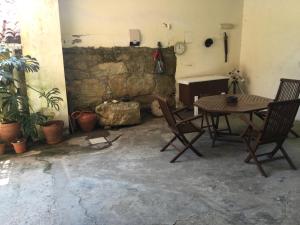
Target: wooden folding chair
(289,89)
(277,124)
(179,128)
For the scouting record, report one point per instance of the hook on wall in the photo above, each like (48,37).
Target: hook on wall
(208,42)
(167,25)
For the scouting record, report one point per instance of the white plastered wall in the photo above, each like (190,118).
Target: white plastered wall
(270,46)
(107,23)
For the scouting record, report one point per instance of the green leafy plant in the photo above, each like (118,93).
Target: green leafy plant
(15,106)
(10,33)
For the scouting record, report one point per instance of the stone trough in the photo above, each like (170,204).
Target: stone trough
(119,114)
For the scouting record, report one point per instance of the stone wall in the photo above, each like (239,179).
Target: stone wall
(94,75)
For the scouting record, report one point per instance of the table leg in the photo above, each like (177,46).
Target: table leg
(217,121)
(228,124)
(219,134)
(208,124)
(215,130)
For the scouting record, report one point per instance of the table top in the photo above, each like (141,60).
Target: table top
(246,103)
(188,80)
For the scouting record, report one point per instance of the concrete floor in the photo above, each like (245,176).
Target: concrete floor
(133,183)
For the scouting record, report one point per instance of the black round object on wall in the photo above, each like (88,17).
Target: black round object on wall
(208,42)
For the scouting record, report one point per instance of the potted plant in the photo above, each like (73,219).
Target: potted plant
(19,145)
(9,130)
(16,113)
(2,147)
(53,131)
(86,119)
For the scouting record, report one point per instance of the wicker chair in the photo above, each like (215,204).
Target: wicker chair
(289,89)
(179,128)
(277,124)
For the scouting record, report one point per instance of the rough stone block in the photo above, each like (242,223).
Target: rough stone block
(155,109)
(170,63)
(84,103)
(140,84)
(77,63)
(165,85)
(144,100)
(119,114)
(97,74)
(118,85)
(123,57)
(136,65)
(107,69)
(76,74)
(87,88)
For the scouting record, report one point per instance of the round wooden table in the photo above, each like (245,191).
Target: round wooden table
(216,106)
(245,104)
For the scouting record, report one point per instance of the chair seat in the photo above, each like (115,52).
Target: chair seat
(189,128)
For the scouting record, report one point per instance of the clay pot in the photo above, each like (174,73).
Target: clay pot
(53,131)
(10,131)
(2,148)
(19,145)
(86,119)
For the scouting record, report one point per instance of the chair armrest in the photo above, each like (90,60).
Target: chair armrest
(188,119)
(250,123)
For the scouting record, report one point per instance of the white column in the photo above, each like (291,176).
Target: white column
(41,38)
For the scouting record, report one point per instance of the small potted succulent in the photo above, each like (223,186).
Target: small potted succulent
(19,145)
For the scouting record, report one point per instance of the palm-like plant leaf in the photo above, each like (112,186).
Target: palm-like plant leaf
(24,63)
(13,105)
(52,98)
(5,76)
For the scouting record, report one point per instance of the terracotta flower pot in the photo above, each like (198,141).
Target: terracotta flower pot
(87,120)
(10,131)
(19,145)
(2,148)
(53,131)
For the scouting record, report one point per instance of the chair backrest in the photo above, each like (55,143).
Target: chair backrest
(279,120)
(289,89)
(167,112)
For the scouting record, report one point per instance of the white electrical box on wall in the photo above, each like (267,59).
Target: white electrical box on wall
(135,37)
